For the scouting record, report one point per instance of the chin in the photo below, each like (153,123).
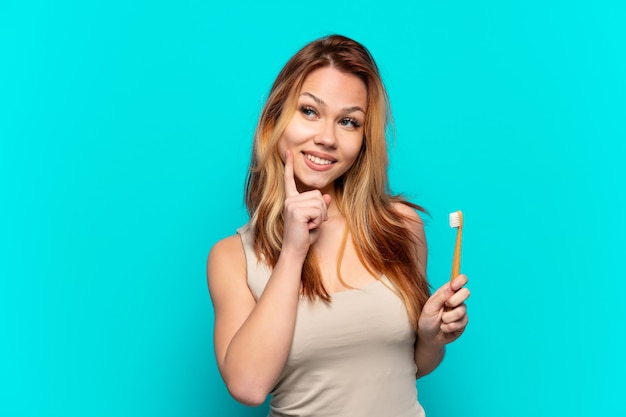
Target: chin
(316,185)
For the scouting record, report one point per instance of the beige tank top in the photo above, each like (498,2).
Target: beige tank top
(350,358)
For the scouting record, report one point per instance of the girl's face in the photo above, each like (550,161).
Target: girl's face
(325,133)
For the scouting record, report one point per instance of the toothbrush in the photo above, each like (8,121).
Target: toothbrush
(456,220)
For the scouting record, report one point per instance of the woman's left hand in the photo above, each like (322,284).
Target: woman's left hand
(444,316)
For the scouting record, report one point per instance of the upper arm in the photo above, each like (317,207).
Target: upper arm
(232,299)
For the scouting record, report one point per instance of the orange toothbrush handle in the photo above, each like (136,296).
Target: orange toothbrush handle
(456,261)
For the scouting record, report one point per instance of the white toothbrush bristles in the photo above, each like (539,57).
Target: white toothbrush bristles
(455,219)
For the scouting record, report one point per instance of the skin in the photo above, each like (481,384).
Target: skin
(253,338)
(328,123)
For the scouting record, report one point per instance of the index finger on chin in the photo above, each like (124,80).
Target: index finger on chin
(290,181)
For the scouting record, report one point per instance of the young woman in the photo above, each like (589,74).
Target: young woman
(321,300)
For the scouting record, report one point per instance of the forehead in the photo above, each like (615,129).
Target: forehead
(335,87)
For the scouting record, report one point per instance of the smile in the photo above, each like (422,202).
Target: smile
(317,160)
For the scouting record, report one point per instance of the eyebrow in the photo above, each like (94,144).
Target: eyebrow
(322,103)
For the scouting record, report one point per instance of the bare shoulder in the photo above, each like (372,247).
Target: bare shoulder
(412,218)
(230,247)
(226,261)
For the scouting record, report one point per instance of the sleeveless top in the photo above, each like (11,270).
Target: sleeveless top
(353,357)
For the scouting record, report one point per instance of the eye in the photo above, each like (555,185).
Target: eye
(308,111)
(350,122)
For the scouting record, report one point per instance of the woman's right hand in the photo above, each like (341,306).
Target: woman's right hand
(304,213)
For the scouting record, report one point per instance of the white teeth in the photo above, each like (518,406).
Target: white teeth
(318,161)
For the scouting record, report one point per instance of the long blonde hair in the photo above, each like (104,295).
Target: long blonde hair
(381,237)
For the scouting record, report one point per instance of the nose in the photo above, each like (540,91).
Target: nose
(327,136)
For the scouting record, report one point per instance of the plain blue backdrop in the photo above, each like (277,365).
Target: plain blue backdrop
(125,131)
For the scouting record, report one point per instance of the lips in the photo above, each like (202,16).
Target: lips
(318,161)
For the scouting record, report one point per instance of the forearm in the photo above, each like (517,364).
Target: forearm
(258,351)
(428,355)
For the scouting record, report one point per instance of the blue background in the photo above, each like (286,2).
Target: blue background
(125,131)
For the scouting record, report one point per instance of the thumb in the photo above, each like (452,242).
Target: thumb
(437,301)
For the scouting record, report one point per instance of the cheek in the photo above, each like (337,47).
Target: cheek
(287,139)
(355,148)
(281,148)
(298,131)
